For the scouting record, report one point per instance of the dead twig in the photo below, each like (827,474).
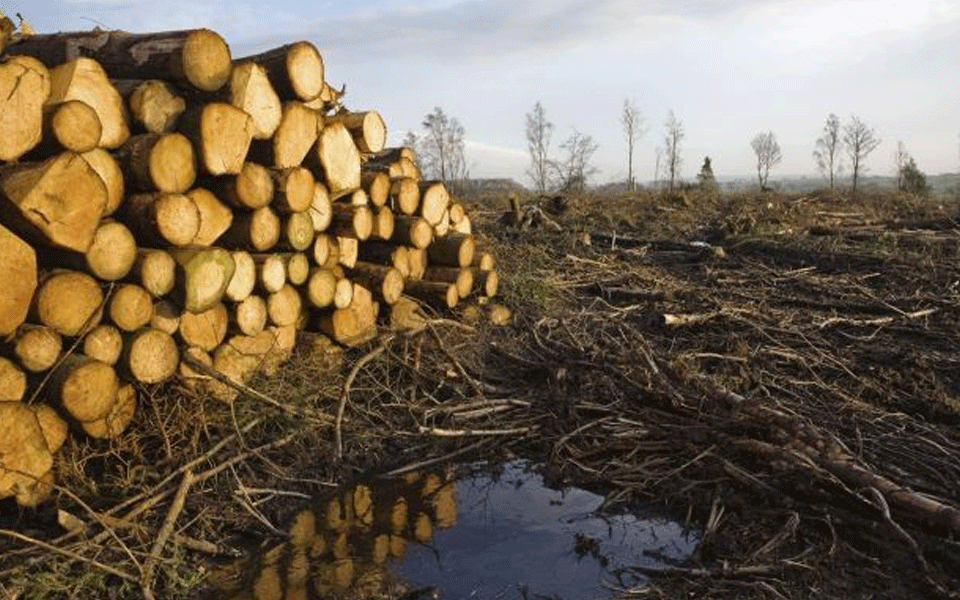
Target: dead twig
(345,396)
(176,507)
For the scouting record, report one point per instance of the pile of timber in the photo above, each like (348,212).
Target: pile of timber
(169,211)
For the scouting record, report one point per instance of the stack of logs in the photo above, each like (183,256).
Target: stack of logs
(166,210)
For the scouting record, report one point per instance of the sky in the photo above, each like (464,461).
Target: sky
(728,69)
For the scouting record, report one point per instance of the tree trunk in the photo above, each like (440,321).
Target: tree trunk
(367,128)
(221,134)
(197,57)
(149,356)
(377,186)
(455,250)
(154,105)
(158,219)
(386,282)
(250,189)
(251,91)
(130,308)
(108,169)
(155,270)
(104,343)
(205,330)
(86,388)
(84,79)
(18,271)
(295,188)
(295,70)
(166,317)
(256,231)
(161,162)
(412,231)
(244,277)
(321,210)
(250,316)
(351,221)
(383,223)
(434,200)
(461,277)
(202,277)
(284,306)
(37,347)
(71,125)
(118,419)
(215,217)
(69,302)
(13,382)
(404,196)
(58,202)
(293,139)
(339,160)
(24,88)
(433,292)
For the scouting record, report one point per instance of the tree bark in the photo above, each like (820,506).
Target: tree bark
(86,388)
(158,219)
(244,277)
(386,282)
(455,250)
(130,308)
(111,175)
(154,106)
(155,270)
(18,271)
(221,134)
(367,128)
(339,160)
(250,189)
(293,139)
(166,317)
(69,302)
(37,347)
(412,231)
(24,88)
(58,202)
(295,70)
(202,277)
(198,58)
(215,217)
(434,293)
(161,162)
(103,343)
(385,253)
(487,282)
(252,92)
(461,277)
(351,221)
(84,79)
(149,356)
(205,330)
(256,231)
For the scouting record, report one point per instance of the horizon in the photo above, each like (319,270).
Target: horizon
(728,70)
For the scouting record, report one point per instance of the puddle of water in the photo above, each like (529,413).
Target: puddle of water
(500,536)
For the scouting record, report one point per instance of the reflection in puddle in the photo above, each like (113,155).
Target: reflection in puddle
(503,536)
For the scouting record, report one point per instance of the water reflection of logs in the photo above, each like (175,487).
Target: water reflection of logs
(340,546)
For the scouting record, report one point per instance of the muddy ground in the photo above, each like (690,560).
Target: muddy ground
(780,373)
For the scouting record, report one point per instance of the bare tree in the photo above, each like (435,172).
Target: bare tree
(633,129)
(574,169)
(539,130)
(767,149)
(673,136)
(859,140)
(827,151)
(901,157)
(441,147)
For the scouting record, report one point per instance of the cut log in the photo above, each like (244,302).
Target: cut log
(54,428)
(205,330)
(244,277)
(18,271)
(295,187)
(250,316)
(158,219)
(161,162)
(118,419)
(24,88)
(321,211)
(69,302)
(434,200)
(385,253)
(215,217)
(298,268)
(293,139)
(339,160)
(377,186)
(357,197)
(154,106)
(321,287)
(355,325)
(324,246)
(284,306)
(85,387)
(149,356)
(417,258)
(252,92)
(249,189)
(459,276)
(295,70)
(404,195)
(113,252)
(256,231)
(131,307)
(412,231)
(464,226)
(484,261)
(7,31)
(166,317)
(71,125)
(284,341)
(442,229)
(367,128)
(198,57)
(13,381)
(457,212)
(155,270)
(487,282)
(111,175)
(84,79)
(351,221)
(433,293)
(499,315)
(386,282)
(202,277)
(58,202)
(23,449)
(389,155)
(407,316)
(104,343)
(191,378)
(221,134)
(343,293)
(37,347)
(347,251)
(271,272)
(383,223)
(455,250)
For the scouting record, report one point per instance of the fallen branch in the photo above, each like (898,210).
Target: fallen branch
(166,530)
(474,432)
